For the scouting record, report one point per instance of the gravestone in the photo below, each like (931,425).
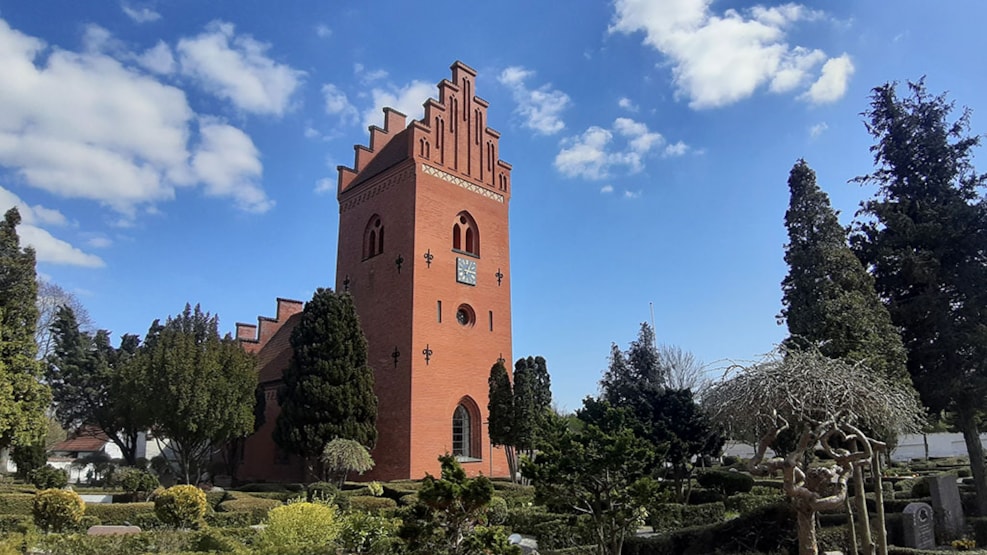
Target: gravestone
(946,507)
(99,530)
(919,525)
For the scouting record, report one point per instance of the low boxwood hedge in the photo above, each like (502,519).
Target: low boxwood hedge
(16,503)
(15,523)
(727,482)
(672,516)
(371,504)
(245,503)
(118,513)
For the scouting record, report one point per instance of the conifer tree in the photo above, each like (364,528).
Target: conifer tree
(23,398)
(500,410)
(925,240)
(92,382)
(203,387)
(829,299)
(328,389)
(532,401)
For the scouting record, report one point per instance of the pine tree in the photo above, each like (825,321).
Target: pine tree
(328,389)
(636,374)
(925,240)
(203,387)
(23,398)
(829,299)
(532,400)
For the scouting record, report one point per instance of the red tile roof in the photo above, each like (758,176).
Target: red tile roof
(88,440)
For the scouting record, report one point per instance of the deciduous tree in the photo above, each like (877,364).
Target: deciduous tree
(328,389)
(819,399)
(924,237)
(52,297)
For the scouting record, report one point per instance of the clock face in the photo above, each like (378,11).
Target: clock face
(466,271)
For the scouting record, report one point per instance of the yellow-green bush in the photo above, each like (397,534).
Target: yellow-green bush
(56,510)
(301,527)
(180,506)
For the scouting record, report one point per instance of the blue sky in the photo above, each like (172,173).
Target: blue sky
(172,152)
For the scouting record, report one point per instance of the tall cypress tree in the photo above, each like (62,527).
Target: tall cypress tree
(925,240)
(500,410)
(24,398)
(328,389)
(829,299)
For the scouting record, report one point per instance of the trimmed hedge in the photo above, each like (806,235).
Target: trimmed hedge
(768,529)
(15,523)
(271,488)
(702,496)
(282,496)
(16,503)
(672,516)
(228,520)
(745,503)
(118,513)
(553,530)
(725,481)
(371,504)
(256,507)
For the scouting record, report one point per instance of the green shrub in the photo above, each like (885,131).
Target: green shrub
(725,481)
(28,457)
(148,520)
(268,488)
(118,513)
(19,524)
(282,496)
(700,496)
(56,509)
(671,516)
(48,477)
(362,532)
(180,506)
(325,492)
(744,503)
(920,489)
(371,504)
(216,541)
(137,483)
(497,511)
(16,503)
(375,488)
(87,522)
(256,507)
(301,526)
(553,530)
(407,500)
(228,520)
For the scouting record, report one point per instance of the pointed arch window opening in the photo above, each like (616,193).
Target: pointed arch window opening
(466,235)
(373,238)
(465,432)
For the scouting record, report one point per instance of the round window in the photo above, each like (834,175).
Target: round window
(465,315)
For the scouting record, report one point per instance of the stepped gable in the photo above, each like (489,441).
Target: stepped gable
(255,337)
(452,136)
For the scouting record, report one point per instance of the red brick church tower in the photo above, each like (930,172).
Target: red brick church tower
(423,249)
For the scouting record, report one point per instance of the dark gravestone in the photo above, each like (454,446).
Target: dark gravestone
(946,506)
(918,523)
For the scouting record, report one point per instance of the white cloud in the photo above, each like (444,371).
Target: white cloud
(832,84)
(237,68)
(338,104)
(82,125)
(632,194)
(626,104)
(408,100)
(228,163)
(368,75)
(325,186)
(606,189)
(818,129)
(140,15)
(323,31)
(540,108)
(47,247)
(719,59)
(595,154)
(675,149)
(99,242)
(158,59)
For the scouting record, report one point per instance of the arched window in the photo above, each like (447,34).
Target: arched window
(466,234)
(373,238)
(465,430)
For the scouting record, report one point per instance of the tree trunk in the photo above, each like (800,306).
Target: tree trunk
(852,525)
(807,532)
(512,462)
(971,435)
(860,497)
(881,530)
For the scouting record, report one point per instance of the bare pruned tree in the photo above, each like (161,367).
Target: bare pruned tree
(682,370)
(843,408)
(51,296)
